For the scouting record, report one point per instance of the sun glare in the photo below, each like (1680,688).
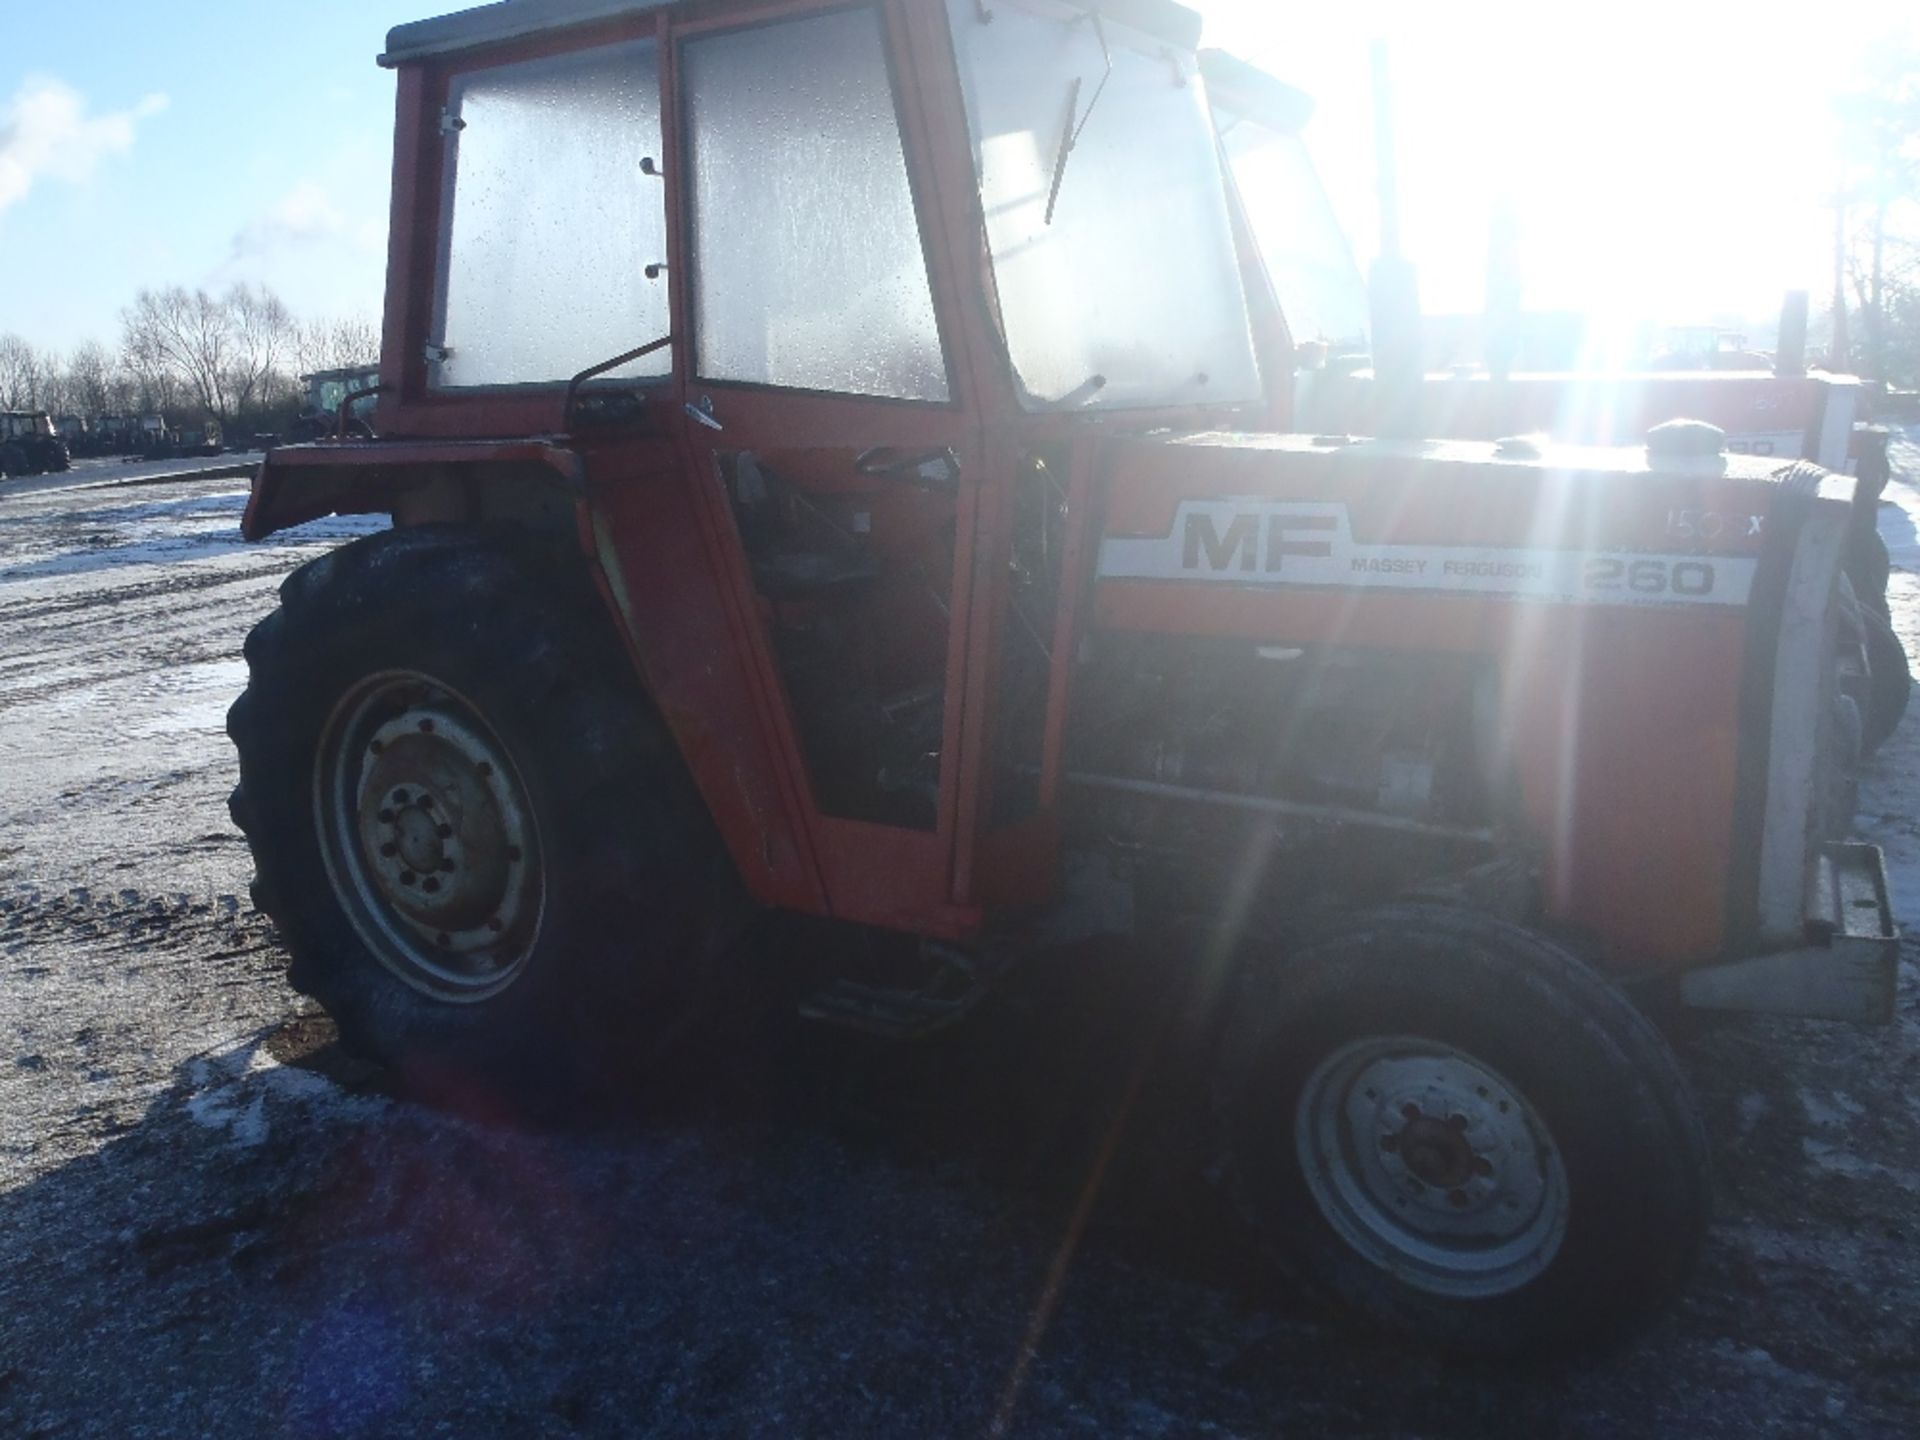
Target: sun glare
(1669,164)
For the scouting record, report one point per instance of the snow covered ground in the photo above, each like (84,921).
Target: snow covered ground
(214,1225)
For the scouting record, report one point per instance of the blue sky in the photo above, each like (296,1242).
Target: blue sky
(215,140)
(1665,155)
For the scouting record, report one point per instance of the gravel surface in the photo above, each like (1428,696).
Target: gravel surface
(212,1224)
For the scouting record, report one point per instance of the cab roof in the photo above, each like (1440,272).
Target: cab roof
(504,20)
(507,20)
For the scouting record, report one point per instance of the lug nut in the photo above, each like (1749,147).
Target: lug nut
(1457,1199)
(446,833)
(430,885)
(1458,1122)
(426,727)
(407,877)
(386,817)
(484,768)
(374,747)
(495,925)
(1410,1110)
(448,866)
(389,850)
(426,801)
(401,797)
(1482,1165)
(443,940)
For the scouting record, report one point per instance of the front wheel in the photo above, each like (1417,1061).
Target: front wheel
(1460,1131)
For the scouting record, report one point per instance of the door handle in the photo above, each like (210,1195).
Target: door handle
(702,414)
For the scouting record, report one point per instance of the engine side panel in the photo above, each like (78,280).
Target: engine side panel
(1613,604)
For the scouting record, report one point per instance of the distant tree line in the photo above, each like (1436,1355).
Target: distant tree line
(235,357)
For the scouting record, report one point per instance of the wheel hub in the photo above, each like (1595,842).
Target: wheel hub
(1431,1165)
(433,836)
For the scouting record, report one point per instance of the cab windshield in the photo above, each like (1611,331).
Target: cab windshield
(1105,208)
(1305,252)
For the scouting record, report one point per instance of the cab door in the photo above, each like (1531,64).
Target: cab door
(825,413)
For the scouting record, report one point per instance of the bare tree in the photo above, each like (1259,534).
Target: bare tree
(56,395)
(187,336)
(264,335)
(337,344)
(1880,138)
(89,380)
(22,374)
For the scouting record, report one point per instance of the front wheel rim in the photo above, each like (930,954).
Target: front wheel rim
(428,837)
(1432,1166)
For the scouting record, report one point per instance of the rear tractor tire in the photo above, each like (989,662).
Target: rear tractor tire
(473,833)
(1458,1130)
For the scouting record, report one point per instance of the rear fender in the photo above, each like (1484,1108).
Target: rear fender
(525,480)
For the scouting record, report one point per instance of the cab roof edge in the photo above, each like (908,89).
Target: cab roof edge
(501,21)
(505,20)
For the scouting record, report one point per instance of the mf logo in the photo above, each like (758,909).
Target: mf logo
(1253,543)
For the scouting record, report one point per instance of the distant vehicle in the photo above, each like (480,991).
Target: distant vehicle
(161,439)
(199,437)
(115,435)
(29,444)
(1702,347)
(327,391)
(75,430)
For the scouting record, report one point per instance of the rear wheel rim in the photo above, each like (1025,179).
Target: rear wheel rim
(428,837)
(1432,1166)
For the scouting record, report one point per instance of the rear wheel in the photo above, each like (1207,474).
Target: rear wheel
(1460,1131)
(478,844)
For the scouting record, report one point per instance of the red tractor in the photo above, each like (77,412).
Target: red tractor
(824,448)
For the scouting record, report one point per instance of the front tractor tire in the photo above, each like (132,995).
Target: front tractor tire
(472,831)
(1458,1130)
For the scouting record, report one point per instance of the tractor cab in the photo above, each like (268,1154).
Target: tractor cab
(29,445)
(328,392)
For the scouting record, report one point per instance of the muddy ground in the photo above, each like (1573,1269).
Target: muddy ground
(211,1224)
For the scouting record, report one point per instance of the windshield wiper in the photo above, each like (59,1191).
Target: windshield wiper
(1076,122)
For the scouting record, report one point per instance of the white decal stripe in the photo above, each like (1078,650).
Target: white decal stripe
(1263,544)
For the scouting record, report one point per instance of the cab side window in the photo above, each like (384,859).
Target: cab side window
(550,222)
(809,272)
